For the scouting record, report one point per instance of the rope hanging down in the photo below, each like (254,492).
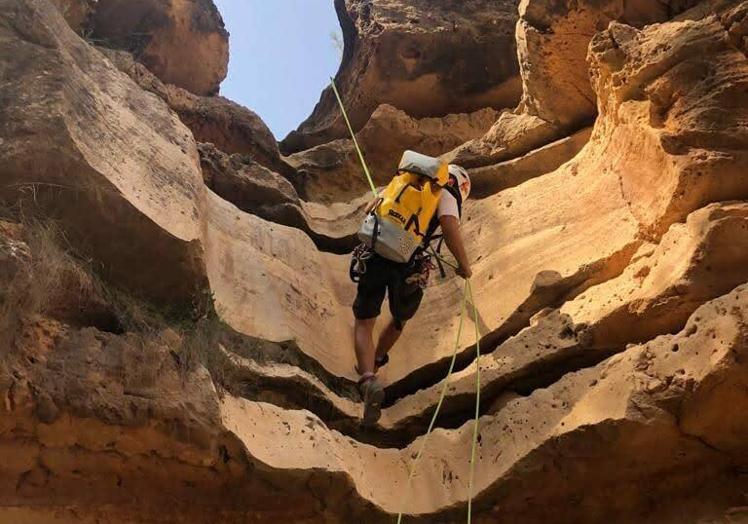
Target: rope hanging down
(467,294)
(353,136)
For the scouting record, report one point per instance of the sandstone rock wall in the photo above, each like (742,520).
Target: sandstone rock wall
(552,42)
(226,124)
(332,171)
(128,188)
(183,42)
(427,58)
(611,291)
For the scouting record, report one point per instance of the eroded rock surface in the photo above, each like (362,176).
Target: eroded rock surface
(558,98)
(257,190)
(427,58)
(183,42)
(231,127)
(128,188)
(332,172)
(610,288)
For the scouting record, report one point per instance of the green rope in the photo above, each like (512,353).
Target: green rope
(441,398)
(477,404)
(353,136)
(468,292)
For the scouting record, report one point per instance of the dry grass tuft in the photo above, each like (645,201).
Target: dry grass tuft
(60,284)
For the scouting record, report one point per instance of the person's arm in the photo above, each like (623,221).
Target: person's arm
(452,236)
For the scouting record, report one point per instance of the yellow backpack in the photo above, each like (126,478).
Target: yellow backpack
(402,220)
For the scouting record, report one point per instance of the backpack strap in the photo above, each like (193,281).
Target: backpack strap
(434,225)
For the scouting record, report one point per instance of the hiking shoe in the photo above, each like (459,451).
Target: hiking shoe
(373,394)
(380,362)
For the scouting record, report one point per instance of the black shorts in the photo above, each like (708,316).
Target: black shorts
(382,276)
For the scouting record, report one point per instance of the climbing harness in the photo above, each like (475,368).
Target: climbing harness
(467,295)
(422,268)
(361,255)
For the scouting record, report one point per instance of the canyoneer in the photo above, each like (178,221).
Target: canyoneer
(395,258)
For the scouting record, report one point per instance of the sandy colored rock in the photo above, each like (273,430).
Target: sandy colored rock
(76,12)
(300,294)
(637,176)
(183,42)
(231,127)
(92,421)
(259,191)
(427,58)
(694,263)
(687,117)
(332,171)
(498,177)
(114,164)
(627,409)
(649,408)
(610,290)
(558,99)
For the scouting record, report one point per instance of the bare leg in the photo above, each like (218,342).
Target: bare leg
(363,333)
(388,338)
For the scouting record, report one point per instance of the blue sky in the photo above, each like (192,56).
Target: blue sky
(282,56)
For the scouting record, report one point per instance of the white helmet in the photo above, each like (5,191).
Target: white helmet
(463,180)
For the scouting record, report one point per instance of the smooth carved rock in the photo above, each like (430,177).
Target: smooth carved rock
(498,177)
(183,42)
(231,127)
(82,141)
(332,171)
(664,416)
(642,408)
(427,58)
(694,263)
(259,191)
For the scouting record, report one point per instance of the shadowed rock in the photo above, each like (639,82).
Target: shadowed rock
(426,57)
(183,42)
(83,142)
(552,43)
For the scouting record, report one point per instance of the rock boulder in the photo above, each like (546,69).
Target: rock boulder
(427,58)
(82,141)
(184,42)
(552,42)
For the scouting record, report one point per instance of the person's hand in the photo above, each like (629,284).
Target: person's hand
(464,272)
(372,205)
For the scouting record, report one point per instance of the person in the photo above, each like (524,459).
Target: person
(403,285)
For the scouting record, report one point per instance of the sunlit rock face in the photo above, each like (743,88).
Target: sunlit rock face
(425,57)
(195,350)
(332,171)
(81,140)
(231,127)
(558,98)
